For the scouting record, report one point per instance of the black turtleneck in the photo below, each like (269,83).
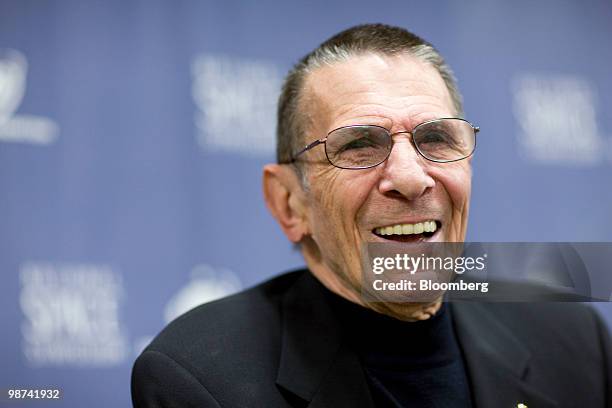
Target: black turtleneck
(407,364)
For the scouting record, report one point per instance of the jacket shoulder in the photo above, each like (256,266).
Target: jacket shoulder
(242,317)
(568,335)
(546,318)
(209,347)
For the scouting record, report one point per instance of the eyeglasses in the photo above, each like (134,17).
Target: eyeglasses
(364,146)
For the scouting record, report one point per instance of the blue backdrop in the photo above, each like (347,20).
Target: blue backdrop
(132,136)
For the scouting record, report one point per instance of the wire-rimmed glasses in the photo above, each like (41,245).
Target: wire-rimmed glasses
(354,147)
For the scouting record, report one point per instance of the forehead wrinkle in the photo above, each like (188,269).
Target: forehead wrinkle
(386,108)
(396,118)
(363,114)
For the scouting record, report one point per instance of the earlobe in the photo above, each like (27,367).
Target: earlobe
(284,198)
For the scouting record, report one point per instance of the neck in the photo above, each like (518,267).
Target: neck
(343,286)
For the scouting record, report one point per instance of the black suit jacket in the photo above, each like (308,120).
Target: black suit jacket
(277,345)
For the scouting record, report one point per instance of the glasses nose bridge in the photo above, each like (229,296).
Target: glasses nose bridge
(409,132)
(410,138)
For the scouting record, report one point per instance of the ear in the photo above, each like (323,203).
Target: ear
(286,200)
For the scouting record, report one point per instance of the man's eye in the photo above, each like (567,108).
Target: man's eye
(357,144)
(436,137)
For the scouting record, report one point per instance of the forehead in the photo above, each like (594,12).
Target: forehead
(391,91)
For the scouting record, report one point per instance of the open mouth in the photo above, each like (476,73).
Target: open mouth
(420,231)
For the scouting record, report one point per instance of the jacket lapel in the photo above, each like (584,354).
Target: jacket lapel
(497,363)
(313,363)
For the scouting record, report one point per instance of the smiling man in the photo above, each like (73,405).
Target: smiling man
(350,195)
(372,148)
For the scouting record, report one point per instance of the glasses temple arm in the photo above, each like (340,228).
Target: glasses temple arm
(305,149)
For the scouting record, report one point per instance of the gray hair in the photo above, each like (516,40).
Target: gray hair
(368,38)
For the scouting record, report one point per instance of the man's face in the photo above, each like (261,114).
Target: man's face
(347,208)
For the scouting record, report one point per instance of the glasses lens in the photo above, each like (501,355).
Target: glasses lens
(355,147)
(445,139)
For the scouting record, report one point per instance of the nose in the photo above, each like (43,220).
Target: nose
(405,170)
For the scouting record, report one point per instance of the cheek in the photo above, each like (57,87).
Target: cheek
(456,178)
(337,197)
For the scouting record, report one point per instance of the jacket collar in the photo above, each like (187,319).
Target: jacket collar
(316,366)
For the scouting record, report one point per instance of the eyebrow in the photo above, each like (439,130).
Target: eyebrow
(388,123)
(375,120)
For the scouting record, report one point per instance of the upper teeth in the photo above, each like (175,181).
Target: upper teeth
(407,229)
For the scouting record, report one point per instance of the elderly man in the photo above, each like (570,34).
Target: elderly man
(372,148)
